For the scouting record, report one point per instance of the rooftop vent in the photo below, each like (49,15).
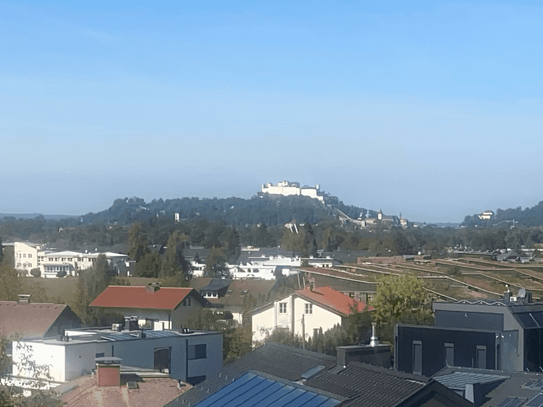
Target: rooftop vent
(23,298)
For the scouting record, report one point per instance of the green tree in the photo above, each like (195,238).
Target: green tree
(149,265)
(137,242)
(216,263)
(10,394)
(401,299)
(11,285)
(91,283)
(231,243)
(174,262)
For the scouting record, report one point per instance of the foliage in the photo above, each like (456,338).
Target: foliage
(216,263)
(174,262)
(401,299)
(11,394)
(137,242)
(35,272)
(236,340)
(11,285)
(91,282)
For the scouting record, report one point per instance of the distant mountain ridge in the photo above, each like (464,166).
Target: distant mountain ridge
(34,215)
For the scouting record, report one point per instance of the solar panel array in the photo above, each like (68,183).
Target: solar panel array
(258,391)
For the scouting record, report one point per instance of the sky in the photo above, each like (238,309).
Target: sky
(432,109)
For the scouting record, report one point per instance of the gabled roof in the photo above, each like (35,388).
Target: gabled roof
(217,284)
(372,386)
(31,320)
(140,297)
(332,299)
(522,386)
(258,390)
(282,361)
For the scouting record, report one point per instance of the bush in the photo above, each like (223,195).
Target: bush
(35,272)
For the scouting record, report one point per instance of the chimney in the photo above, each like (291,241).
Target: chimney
(153,287)
(507,295)
(23,298)
(108,371)
(374,340)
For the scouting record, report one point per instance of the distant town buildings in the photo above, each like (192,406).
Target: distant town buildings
(29,256)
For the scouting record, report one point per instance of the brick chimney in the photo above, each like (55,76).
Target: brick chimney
(153,287)
(108,371)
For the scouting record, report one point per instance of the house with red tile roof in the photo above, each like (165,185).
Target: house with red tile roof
(155,306)
(305,312)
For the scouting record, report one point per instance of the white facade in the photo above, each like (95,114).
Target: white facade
(27,255)
(265,267)
(296,314)
(30,256)
(287,188)
(486,215)
(76,357)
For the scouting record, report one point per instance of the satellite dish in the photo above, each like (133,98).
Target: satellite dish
(522,293)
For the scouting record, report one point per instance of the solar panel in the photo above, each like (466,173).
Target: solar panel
(529,383)
(511,402)
(537,385)
(537,401)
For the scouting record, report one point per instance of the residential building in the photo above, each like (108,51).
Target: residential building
(24,319)
(306,312)
(154,306)
(232,298)
(30,256)
(500,334)
(282,375)
(27,256)
(190,356)
(265,263)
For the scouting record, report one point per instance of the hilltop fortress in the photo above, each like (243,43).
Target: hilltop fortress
(287,188)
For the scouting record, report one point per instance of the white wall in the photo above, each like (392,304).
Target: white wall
(264,321)
(69,360)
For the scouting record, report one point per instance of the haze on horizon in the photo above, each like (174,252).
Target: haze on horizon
(428,108)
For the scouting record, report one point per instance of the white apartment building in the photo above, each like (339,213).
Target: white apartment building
(29,256)
(266,267)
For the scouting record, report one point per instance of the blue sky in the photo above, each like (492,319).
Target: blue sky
(429,108)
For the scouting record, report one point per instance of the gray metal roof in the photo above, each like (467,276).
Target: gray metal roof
(458,380)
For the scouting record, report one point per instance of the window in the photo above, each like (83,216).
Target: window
(481,357)
(417,358)
(186,302)
(449,354)
(309,308)
(197,351)
(29,255)
(282,307)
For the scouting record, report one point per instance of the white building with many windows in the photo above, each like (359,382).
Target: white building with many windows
(30,256)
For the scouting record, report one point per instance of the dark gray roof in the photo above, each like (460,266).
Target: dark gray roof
(522,386)
(217,284)
(282,361)
(257,390)
(369,385)
(458,380)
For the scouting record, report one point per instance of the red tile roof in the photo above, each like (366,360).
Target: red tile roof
(116,296)
(332,299)
(151,392)
(30,320)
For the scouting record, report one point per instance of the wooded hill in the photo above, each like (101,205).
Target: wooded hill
(269,209)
